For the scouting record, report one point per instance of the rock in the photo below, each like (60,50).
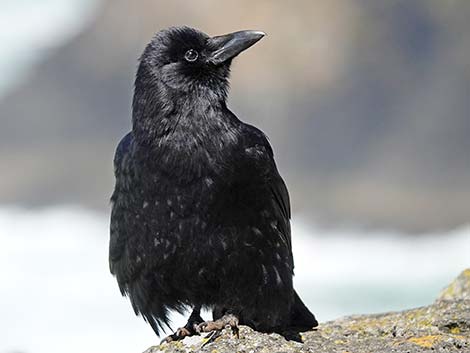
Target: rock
(458,289)
(443,326)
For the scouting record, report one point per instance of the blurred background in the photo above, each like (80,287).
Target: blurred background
(367,106)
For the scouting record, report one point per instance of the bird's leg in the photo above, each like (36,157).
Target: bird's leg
(228,320)
(187,330)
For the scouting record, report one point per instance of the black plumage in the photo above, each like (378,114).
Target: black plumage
(200,215)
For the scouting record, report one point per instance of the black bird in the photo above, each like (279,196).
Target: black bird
(200,215)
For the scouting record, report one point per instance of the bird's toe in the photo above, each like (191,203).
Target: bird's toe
(226,321)
(168,339)
(180,334)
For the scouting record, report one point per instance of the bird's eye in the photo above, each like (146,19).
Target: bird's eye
(191,55)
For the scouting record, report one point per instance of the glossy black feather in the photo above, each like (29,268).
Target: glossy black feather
(200,215)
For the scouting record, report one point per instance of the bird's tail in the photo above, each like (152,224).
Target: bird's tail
(154,309)
(301,318)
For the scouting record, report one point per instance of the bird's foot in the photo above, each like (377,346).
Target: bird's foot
(180,334)
(226,321)
(188,330)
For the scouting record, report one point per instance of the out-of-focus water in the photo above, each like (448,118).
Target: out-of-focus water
(29,29)
(56,290)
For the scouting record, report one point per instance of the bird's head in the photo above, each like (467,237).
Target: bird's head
(183,60)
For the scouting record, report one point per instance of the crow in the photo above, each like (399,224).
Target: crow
(200,215)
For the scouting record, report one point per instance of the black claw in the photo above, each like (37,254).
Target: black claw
(236,331)
(212,337)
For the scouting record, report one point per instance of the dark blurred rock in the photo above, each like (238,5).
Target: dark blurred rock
(441,327)
(365,103)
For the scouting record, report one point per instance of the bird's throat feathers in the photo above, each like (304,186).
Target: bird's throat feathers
(177,126)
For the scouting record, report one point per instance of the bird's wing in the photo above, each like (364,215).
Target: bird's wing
(119,260)
(261,153)
(280,197)
(125,257)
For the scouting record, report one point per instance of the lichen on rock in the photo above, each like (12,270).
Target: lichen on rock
(458,289)
(443,326)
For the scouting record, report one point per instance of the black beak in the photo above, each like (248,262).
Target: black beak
(230,45)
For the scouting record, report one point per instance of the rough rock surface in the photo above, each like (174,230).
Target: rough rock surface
(459,289)
(443,326)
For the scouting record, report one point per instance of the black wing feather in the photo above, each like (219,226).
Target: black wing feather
(262,154)
(122,255)
(118,234)
(282,204)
